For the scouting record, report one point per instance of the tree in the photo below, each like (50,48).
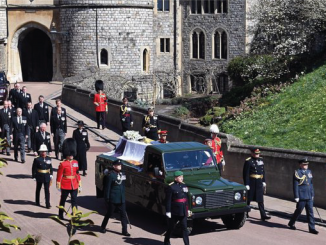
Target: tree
(285,27)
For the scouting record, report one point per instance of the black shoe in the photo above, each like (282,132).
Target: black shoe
(61,217)
(167,243)
(48,206)
(292,227)
(266,218)
(37,204)
(23,161)
(247,214)
(313,232)
(103,230)
(16,159)
(8,154)
(125,233)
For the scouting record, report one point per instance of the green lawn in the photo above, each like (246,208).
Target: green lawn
(293,119)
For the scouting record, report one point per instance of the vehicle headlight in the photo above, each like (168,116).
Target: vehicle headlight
(237,196)
(199,200)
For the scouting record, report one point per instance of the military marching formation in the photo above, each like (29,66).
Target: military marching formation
(24,124)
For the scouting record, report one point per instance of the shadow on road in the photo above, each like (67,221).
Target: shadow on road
(19,176)
(142,241)
(19,202)
(34,215)
(266,223)
(207,226)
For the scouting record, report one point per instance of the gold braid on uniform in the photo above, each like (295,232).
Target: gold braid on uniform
(124,111)
(301,179)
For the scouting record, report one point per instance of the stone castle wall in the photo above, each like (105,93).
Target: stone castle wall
(3,34)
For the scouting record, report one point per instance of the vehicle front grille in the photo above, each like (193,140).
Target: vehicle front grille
(219,199)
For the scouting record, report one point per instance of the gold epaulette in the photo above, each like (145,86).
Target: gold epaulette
(248,158)
(301,179)
(171,183)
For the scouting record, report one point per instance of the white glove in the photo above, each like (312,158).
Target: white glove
(51,176)
(80,189)
(123,119)
(248,187)
(264,184)
(147,129)
(106,171)
(168,215)
(132,123)
(296,199)
(223,162)
(34,179)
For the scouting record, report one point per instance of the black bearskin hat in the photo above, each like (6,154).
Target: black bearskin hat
(99,85)
(69,147)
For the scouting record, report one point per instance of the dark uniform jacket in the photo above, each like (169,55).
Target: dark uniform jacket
(5,118)
(55,109)
(125,116)
(254,166)
(43,113)
(302,184)
(32,118)
(19,128)
(152,124)
(23,99)
(57,123)
(13,112)
(39,140)
(41,163)
(176,199)
(14,97)
(83,146)
(114,191)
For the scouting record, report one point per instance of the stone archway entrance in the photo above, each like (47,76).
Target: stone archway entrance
(36,55)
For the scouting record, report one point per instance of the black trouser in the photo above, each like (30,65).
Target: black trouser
(172,223)
(308,205)
(125,127)
(220,168)
(121,207)
(31,135)
(64,195)
(46,192)
(19,140)
(101,117)
(261,209)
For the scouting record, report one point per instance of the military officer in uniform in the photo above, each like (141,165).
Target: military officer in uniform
(303,190)
(254,180)
(42,137)
(125,116)
(163,134)
(58,130)
(42,173)
(100,102)
(151,125)
(68,178)
(114,194)
(177,207)
(81,136)
(216,147)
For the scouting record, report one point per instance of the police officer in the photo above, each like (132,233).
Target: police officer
(81,136)
(19,128)
(176,207)
(254,180)
(68,178)
(6,124)
(42,173)
(151,125)
(303,195)
(115,196)
(59,131)
(125,116)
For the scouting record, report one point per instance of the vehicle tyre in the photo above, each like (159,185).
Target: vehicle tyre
(234,221)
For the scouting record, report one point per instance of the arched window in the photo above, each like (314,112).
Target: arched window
(104,57)
(145,60)
(198,44)
(220,44)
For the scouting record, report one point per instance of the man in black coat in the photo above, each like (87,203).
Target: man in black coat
(151,125)
(80,135)
(59,131)
(12,109)
(14,95)
(42,173)
(24,98)
(254,180)
(125,116)
(114,194)
(43,110)
(33,124)
(42,137)
(176,207)
(6,124)
(304,194)
(54,109)
(19,128)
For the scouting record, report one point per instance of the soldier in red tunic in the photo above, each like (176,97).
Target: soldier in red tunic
(68,178)
(216,146)
(100,102)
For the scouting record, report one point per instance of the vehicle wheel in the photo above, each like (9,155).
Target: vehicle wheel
(178,229)
(234,221)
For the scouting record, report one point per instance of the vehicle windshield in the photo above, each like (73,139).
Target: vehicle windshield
(189,159)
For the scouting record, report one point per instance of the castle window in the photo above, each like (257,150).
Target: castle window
(198,44)
(221,83)
(104,57)
(208,6)
(165,45)
(145,60)
(163,5)
(220,48)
